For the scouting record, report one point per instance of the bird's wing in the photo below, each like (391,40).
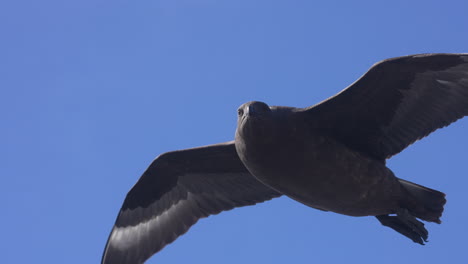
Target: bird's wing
(176,190)
(397,102)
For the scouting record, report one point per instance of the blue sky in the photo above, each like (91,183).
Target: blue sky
(92,91)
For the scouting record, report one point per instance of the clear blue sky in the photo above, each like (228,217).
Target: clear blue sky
(92,91)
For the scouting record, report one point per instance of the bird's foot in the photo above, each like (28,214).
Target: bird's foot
(406,224)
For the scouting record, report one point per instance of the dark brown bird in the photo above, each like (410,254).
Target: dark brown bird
(330,156)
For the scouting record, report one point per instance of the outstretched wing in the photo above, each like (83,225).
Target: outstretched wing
(397,102)
(176,190)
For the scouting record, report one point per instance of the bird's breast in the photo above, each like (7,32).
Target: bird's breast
(271,156)
(317,171)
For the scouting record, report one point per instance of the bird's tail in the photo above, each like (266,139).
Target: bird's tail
(422,202)
(428,204)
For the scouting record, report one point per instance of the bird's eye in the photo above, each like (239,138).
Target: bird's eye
(240,112)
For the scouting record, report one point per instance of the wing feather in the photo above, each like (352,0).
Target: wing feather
(397,102)
(176,191)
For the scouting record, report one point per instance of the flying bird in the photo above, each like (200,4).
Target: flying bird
(330,156)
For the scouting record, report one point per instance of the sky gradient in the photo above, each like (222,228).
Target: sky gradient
(93,91)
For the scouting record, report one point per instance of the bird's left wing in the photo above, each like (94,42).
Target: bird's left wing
(176,190)
(397,102)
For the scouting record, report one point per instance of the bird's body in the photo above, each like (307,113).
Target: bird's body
(330,156)
(359,186)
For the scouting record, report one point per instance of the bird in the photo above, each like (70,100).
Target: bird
(330,156)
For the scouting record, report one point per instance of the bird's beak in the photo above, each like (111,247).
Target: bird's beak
(250,111)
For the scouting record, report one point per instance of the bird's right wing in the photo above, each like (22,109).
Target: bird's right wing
(176,190)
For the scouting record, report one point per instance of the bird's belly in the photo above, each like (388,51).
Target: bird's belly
(330,177)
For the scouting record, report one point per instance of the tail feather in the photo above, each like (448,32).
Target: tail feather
(429,203)
(421,202)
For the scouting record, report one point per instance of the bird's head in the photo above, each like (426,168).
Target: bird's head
(253,109)
(253,119)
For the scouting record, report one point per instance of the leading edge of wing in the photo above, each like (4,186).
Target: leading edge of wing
(176,190)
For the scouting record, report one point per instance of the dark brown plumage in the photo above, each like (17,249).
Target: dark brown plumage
(176,190)
(330,156)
